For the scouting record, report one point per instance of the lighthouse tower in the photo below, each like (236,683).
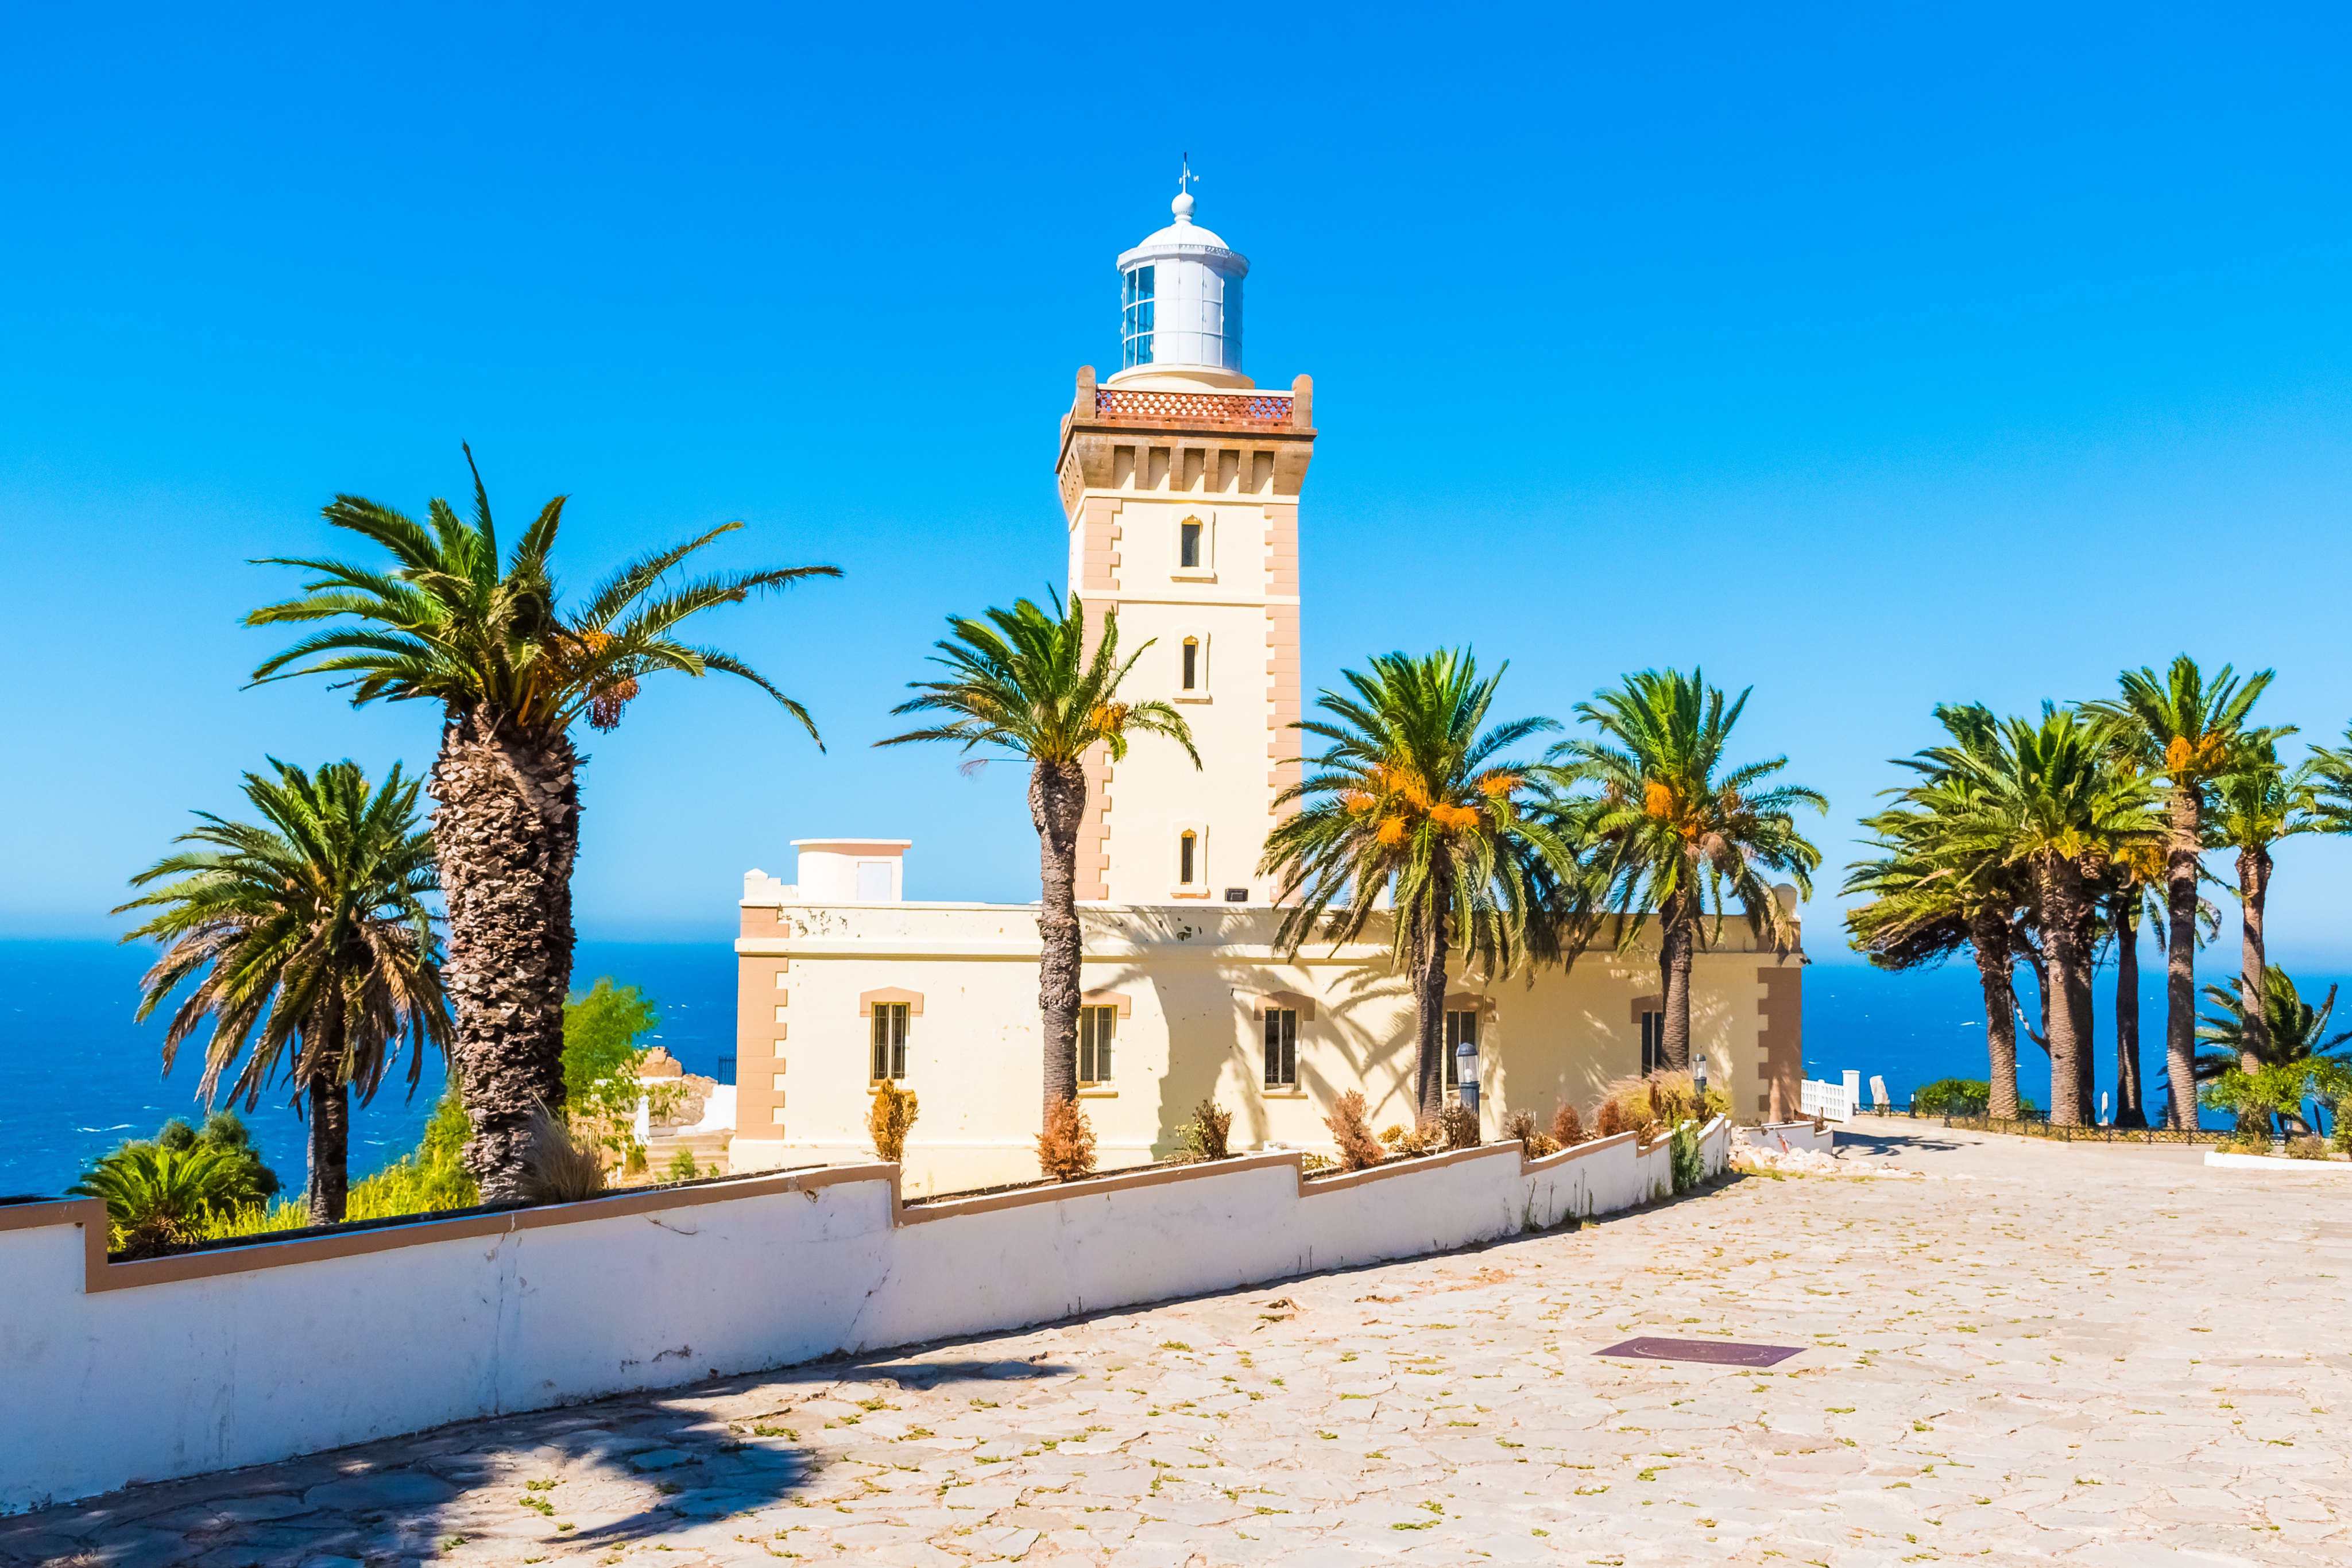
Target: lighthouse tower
(1180,482)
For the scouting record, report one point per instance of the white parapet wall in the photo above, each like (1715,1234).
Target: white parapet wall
(113,1373)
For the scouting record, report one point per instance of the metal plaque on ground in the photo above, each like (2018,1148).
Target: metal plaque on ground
(1715,1352)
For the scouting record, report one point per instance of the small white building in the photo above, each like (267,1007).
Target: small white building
(1180,486)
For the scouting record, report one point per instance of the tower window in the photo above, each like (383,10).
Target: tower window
(889,1040)
(1459,1027)
(1188,845)
(1192,663)
(1653,1043)
(1096,1026)
(1281,1047)
(1135,321)
(1188,544)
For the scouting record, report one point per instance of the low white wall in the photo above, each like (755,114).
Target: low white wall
(112,1374)
(2270,1162)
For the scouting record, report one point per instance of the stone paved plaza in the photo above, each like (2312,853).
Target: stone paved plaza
(2098,1355)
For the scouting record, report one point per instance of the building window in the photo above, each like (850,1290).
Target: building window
(1096,1027)
(1188,544)
(1459,1027)
(1192,663)
(889,1040)
(1135,319)
(1188,846)
(1282,1048)
(1653,1043)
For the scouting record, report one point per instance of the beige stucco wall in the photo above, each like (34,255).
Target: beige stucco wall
(1190,977)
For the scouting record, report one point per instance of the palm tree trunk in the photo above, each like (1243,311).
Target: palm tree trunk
(1057,803)
(1429,1001)
(2127,1095)
(2180,956)
(506,834)
(2036,961)
(1674,965)
(1988,934)
(2065,912)
(2253,894)
(2254,1043)
(331,1143)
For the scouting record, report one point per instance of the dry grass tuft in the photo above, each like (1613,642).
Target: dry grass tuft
(1065,1149)
(888,1120)
(1457,1126)
(1608,1121)
(1358,1148)
(1522,1127)
(1567,1126)
(1656,1103)
(562,1166)
(1203,1137)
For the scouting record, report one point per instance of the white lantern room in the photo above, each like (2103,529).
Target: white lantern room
(1181,309)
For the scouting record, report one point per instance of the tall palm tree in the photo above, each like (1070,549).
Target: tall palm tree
(2256,804)
(1023,679)
(513,669)
(1678,832)
(1930,895)
(2185,728)
(2291,1030)
(1412,795)
(2057,801)
(307,935)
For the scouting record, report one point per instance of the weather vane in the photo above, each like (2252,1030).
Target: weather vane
(1187,179)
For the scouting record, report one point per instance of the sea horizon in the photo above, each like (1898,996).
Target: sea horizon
(78,1075)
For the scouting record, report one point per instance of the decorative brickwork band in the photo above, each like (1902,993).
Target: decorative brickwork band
(1252,410)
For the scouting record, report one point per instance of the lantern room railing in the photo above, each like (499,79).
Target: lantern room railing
(1250,410)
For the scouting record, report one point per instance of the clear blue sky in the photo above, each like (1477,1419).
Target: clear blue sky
(1875,357)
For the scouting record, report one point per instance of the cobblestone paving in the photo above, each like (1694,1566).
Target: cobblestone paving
(2101,1356)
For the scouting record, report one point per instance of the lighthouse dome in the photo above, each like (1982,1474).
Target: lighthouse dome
(1180,307)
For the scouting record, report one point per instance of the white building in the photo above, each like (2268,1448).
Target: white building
(1181,484)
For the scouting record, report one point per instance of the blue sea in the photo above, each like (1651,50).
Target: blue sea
(78,1076)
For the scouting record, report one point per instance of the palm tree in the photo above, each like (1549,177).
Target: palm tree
(2055,800)
(1677,832)
(1930,895)
(513,671)
(1411,795)
(2290,1031)
(1023,680)
(306,935)
(2186,729)
(2256,804)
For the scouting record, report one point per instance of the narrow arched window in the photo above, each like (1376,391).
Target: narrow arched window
(1191,663)
(1188,544)
(1186,844)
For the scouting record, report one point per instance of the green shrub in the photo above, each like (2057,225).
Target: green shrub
(1683,1154)
(603,1027)
(431,1178)
(1952,1097)
(160,1199)
(681,1167)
